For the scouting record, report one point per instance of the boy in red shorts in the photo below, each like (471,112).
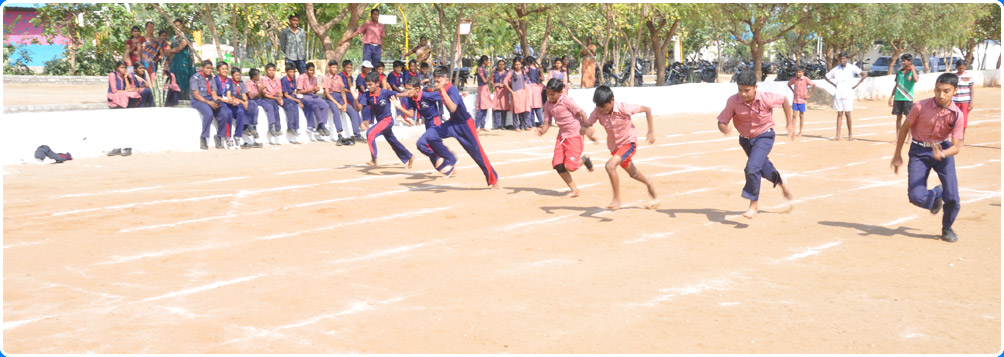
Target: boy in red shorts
(568,148)
(622,136)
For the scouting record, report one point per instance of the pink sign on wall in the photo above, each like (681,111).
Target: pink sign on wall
(23,31)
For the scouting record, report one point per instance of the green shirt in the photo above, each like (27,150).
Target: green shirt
(904,85)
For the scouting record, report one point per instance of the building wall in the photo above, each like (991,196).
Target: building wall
(26,34)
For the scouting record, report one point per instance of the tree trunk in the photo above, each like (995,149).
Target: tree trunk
(74,46)
(456,53)
(922,52)
(660,45)
(542,54)
(355,12)
(442,29)
(233,25)
(207,14)
(321,30)
(897,49)
(177,30)
(634,58)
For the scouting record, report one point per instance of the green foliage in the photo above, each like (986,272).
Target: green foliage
(18,66)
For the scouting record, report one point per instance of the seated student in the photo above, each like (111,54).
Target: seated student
(335,98)
(379,102)
(223,88)
(411,72)
(245,112)
(315,109)
(141,81)
(356,120)
(396,78)
(121,93)
(292,102)
(171,88)
(426,73)
(367,117)
(205,101)
(271,92)
(255,98)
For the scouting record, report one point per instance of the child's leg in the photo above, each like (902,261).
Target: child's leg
(950,190)
(850,136)
(840,115)
(634,173)
(611,168)
(423,147)
(467,135)
(564,148)
(399,149)
(801,122)
(371,135)
(497,122)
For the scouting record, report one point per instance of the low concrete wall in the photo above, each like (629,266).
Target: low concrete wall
(40,79)
(94,132)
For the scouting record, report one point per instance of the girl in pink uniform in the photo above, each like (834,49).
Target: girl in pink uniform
(536,91)
(171,87)
(502,101)
(484,94)
(121,92)
(518,84)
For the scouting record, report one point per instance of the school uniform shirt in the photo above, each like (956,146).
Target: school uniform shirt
(222,87)
(962,93)
(409,75)
(373,33)
(427,104)
(288,86)
(252,89)
(620,129)
(843,77)
(563,111)
(239,89)
(137,81)
(461,114)
(379,102)
(173,84)
(932,123)
(345,84)
(117,95)
(751,119)
(306,82)
(395,80)
(273,86)
(361,83)
(801,89)
(333,85)
(200,84)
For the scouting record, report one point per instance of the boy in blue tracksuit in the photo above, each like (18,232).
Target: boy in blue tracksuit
(424,104)
(379,102)
(460,126)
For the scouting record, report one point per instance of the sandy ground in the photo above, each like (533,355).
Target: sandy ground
(48,94)
(299,249)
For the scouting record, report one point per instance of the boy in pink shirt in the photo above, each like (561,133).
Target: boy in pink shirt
(751,112)
(315,109)
(622,137)
(938,129)
(568,145)
(800,87)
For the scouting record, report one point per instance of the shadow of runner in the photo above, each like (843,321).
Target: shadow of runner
(867,230)
(539,191)
(713,215)
(588,212)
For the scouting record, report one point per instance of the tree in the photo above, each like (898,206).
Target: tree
(77,22)
(661,16)
(756,25)
(356,11)
(516,15)
(321,30)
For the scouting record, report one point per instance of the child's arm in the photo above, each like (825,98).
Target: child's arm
(588,132)
(355,96)
(447,101)
(897,157)
(813,90)
(650,136)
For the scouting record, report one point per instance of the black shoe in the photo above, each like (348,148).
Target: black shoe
(948,235)
(341,141)
(938,202)
(588,162)
(202,144)
(254,132)
(119,151)
(257,145)
(357,137)
(351,141)
(219,142)
(126,151)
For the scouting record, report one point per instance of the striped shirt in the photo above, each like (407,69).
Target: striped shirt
(962,94)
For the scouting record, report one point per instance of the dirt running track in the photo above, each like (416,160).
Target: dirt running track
(299,249)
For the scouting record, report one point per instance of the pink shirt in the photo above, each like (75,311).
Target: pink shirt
(333,84)
(372,32)
(306,82)
(620,129)
(801,89)
(174,84)
(252,88)
(932,123)
(563,112)
(752,119)
(273,86)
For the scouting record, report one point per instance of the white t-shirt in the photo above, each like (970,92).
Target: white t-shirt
(843,77)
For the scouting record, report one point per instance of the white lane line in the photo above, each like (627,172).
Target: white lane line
(111,192)
(386,252)
(141,204)
(307,170)
(25,244)
(533,223)
(344,224)
(354,308)
(204,287)
(968,166)
(649,237)
(7,325)
(808,252)
(198,220)
(898,221)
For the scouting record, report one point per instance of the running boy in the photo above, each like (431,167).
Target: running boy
(622,138)
(937,130)
(460,126)
(425,104)
(378,101)
(568,144)
(800,87)
(752,114)
(901,99)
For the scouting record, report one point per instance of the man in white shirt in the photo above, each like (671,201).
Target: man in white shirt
(841,78)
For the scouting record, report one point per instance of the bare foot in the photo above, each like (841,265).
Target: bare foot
(786,192)
(799,134)
(439,161)
(653,204)
(651,191)
(849,138)
(495,187)
(750,214)
(835,139)
(614,205)
(371,163)
(410,160)
(572,194)
(518,130)
(448,171)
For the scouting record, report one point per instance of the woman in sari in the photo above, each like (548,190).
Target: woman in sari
(181,61)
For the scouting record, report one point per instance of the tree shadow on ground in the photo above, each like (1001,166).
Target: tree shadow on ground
(713,215)
(867,230)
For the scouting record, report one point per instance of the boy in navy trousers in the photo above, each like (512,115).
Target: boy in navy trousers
(937,127)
